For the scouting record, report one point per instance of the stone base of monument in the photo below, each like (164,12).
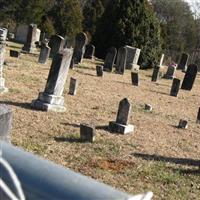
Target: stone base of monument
(47,102)
(3,89)
(120,128)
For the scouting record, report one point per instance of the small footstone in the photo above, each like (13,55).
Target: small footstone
(5,122)
(135,78)
(155,74)
(87,133)
(73,86)
(148,107)
(14,53)
(183,124)
(99,70)
(198,117)
(175,87)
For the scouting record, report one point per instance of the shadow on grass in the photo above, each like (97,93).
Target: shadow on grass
(87,74)
(67,139)
(182,161)
(22,105)
(71,124)
(103,127)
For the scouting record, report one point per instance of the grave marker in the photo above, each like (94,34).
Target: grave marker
(135,78)
(15,54)
(175,87)
(73,86)
(87,133)
(170,71)
(44,53)
(56,44)
(121,60)
(183,62)
(198,117)
(110,59)
(89,51)
(133,55)
(155,74)
(99,70)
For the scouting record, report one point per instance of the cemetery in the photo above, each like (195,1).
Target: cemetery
(75,125)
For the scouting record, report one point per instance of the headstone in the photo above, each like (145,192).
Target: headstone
(183,124)
(56,44)
(183,62)
(44,53)
(135,68)
(14,53)
(190,77)
(89,51)
(99,70)
(38,32)
(72,64)
(148,107)
(161,60)
(135,78)
(110,59)
(198,117)
(175,87)
(5,122)
(122,122)
(21,33)
(133,55)
(11,36)
(73,86)
(87,133)
(30,46)
(4,33)
(79,49)
(170,71)
(51,99)
(155,74)
(121,60)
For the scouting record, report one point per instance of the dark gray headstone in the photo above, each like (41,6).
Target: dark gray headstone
(89,51)
(110,59)
(51,99)
(14,53)
(121,60)
(73,86)
(56,44)
(87,133)
(5,122)
(99,70)
(183,62)
(155,74)
(175,87)
(30,46)
(198,117)
(133,55)
(44,53)
(170,72)
(183,124)
(190,77)
(79,49)
(135,78)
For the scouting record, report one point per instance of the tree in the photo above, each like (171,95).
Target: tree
(132,23)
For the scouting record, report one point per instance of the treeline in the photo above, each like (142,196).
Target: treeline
(155,26)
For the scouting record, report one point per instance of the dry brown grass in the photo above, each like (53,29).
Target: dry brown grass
(110,159)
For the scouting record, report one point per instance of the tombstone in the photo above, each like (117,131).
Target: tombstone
(4,33)
(11,36)
(148,107)
(110,59)
(183,62)
(44,53)
(135,78)
(5,122)
(161,60)
(79,49)
(121,60)
(189,78)
(51,99)
(122,122)
(72,64)
(183,124)
(14,53)
(175,87)
(133,55)
(73,86)
(170,71)
(135,68)
(99,70)
(198,117)
(38,32)
(30,46)
(21,33)
(87,133)
(155,74)
(89,51)
(56,44)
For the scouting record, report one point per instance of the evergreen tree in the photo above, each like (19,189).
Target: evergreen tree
(130,22)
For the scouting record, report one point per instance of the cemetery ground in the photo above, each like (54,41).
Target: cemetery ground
(157,157)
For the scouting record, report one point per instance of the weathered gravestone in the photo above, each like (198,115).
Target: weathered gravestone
(189,78)
(99,70)
(135,78)
(133,55)
(183,62)
(44,53)
(122,122)
(14,53)
(170,71)
(87,133)
(148,107)
(155,74)
(89,51)
(198,117)
(110,59)
(161,60)
(121,60)
(175,87)
(79,49)
(30,46)
(51,99)
(56,44)
(73,86)
(183,124)
(4,33)
(5,122)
